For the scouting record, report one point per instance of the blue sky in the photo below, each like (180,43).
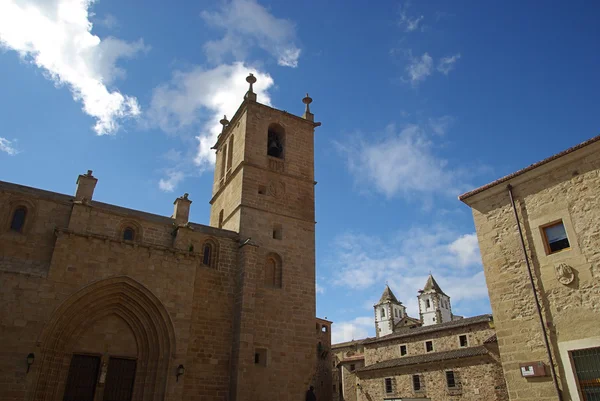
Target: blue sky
(419,102)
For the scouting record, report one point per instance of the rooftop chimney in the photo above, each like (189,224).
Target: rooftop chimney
(181,212)
(85,187)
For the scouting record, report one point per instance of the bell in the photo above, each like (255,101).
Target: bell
(274,148)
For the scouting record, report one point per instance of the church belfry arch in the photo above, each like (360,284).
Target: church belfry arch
(130,301)
(276,141)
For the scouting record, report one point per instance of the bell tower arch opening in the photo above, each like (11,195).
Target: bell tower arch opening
(276,141)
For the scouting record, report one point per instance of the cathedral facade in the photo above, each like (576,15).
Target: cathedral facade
(438,356)
(101,302)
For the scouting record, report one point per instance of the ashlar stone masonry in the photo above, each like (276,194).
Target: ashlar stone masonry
(101,302)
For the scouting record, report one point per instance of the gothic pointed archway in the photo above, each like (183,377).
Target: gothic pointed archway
(131,302)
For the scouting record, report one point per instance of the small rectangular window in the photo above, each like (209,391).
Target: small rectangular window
(463,340)
(277,232)
(555,237)
(388,385)
(260,356)
(262,189)
(402,350)
(427,303)
(416,379)
(396,312)
(450,379)
(352,367)
(429,346)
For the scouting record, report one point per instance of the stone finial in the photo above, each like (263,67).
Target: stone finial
(86,183)
(250,95)
(224,122)
(307,114)
(181,211)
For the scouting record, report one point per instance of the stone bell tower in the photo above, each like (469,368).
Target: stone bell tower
(264,189)
(434,304)
(388,312)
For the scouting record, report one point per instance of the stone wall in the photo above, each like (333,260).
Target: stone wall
(323,381)
(70,284)
(477,379)
(260,195)
(443,340)
(566,189)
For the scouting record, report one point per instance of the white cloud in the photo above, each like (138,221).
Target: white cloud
(401,162)
(8,147)
(199,98)
(246,24)
(466,248)
(405,260)
(195,101)
(419,68)
(407,22)
(446,64)
(55,35)
(170,183)
(289,58)
(109,21)
(440,125)
(354,329)
(319,289)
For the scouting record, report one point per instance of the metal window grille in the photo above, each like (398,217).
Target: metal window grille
(450,379)
(388,385)
(416,382)
(587,371)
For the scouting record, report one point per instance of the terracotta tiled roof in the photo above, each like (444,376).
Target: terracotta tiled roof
(492,339)
(351,343)
(526,169)
(426,358)
(406,321)
(353,358)
(408,332)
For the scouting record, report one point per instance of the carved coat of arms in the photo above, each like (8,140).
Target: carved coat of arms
(564,274)
(276,189)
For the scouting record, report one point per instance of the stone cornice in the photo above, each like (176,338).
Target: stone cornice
(64,231)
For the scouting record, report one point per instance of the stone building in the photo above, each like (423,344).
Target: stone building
(100,302)
(438,357)
(539,235)
(323,380)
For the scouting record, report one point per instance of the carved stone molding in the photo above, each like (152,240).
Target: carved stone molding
(564,273)
(276,164)
(276,189)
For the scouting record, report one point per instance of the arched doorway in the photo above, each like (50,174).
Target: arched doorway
(114,324)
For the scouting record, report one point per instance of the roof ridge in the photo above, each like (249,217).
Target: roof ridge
(434,327)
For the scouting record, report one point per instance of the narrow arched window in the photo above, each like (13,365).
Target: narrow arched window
(128,234)
(270,272)
(273,272)
(18,219)
(276,141)
(207,254)
(223,161)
